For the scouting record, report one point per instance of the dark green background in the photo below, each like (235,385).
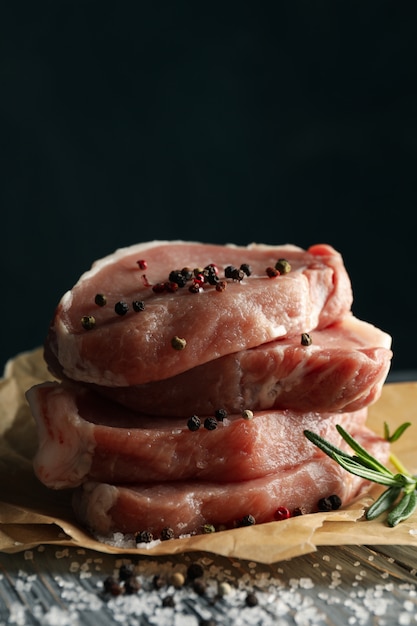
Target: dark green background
(276,122)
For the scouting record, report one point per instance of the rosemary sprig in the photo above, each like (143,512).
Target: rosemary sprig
(400,496)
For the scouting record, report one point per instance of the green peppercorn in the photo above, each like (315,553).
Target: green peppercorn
(246,520)
(306,339)
(283,266)
(247,414)
(178,343)
(88,322)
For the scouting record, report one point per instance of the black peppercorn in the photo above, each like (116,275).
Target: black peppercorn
(331,503)
(126,571)
(228,271)
(166,534)
(194,423)
(144,536)
(121,308)
(100,299)
(246,269)
(251,599)
(220,414)
(168,601)
(246,520)
(195,570)
(210,423)
(138,305)
(306,339)
(199,586)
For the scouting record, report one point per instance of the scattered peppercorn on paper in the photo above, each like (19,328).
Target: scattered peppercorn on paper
(31,514)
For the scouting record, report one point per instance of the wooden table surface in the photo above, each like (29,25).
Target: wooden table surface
(355,585)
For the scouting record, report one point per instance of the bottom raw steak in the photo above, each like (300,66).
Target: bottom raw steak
(186,506)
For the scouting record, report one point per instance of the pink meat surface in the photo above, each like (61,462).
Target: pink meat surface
(135,348)
(343,369)
(82,436)
(187,506)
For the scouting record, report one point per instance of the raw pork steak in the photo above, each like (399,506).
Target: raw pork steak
(82,436)
(187,506)
(343,369)
(136,347)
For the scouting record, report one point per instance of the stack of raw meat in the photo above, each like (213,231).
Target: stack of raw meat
(188,373)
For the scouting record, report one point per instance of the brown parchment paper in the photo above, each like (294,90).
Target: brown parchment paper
(31,514)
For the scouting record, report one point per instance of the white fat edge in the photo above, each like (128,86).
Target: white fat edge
(367,333)
(97,500)
(52,458)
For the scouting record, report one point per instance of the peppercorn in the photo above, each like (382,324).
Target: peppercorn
(246,269)
(195,287)
(283,266)
(331,503)
(238,274)
(178,343)
(207,622)
(210,423)
(221,285)
(251,599)
(224,589)
(112,586)
(144,536)
(177,580)
(132,585)
(121,308)
(100,299)
(246,520)
(142,264)
(220,414)
(187,273)
(247,414)
(272,272)
(208,528)
(194,570)
(88,322)
(167,534)
(175,276)
(158,287)
(306,339)
(138,305)
(299,510)
(194,423)
(158,581)
(126,571)
(199,586)
(282,513)
(228,271)
(168,601)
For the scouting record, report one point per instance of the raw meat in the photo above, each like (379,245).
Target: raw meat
(83,436)
(186,506)
(135,348)
(342,370)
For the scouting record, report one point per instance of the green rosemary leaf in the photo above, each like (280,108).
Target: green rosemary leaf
(354,467)
(406,506)
(324,445)
(367,459)
(384,502)
(397,433)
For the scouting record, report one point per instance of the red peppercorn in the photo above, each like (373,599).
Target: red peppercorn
(282,513)
(142,264)
(272,272)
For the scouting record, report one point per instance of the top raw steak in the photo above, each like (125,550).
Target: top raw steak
(127,321)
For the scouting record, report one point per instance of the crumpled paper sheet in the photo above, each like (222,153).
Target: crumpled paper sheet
(31,514)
